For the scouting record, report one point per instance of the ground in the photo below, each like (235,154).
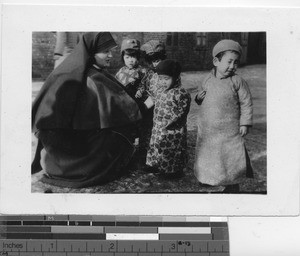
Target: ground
(136,181)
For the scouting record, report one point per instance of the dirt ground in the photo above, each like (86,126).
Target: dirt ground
(136,181)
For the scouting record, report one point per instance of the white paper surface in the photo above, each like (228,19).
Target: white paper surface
(283,54)
(264,236)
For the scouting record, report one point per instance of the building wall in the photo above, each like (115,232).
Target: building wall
(257,48)
(199,57)
(43,44)
(192,49)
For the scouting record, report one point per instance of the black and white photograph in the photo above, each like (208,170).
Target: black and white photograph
(149,112)
(161,110)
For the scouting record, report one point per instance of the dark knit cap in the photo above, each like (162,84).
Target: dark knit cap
(169,67)
(104,41)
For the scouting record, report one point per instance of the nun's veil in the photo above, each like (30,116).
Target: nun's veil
(55,105)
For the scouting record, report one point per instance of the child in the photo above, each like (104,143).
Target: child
(132,73)
(168,144)
(154,52)
(225,117)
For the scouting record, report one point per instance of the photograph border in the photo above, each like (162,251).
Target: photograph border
(282,30)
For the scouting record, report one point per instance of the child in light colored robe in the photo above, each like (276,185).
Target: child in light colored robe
(225,116)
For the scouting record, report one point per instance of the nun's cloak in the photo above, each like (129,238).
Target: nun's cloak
(83,119)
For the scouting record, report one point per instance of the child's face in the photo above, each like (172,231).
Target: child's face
(155,62)
(130,61)
(103,58)
(165,81)
(227,65)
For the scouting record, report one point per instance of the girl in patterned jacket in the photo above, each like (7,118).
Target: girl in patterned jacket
(154,52)
(131,74)
(168,144)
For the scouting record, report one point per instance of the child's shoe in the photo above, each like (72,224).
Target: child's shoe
(204,185)
(172,175)
(232,189)
(150,169)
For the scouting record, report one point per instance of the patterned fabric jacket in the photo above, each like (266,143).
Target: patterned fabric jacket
(149,82)
(168,142)
(131,79)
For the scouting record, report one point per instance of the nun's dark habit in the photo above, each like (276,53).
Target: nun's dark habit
(83,119)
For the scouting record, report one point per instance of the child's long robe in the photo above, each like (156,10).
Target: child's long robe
(168,144)
(221,156)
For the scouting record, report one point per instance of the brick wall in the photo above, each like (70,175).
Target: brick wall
(154,36)
(185,50)
(43,44)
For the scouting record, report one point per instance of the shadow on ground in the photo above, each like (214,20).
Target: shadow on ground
(135,181)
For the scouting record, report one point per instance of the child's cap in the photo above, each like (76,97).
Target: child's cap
(226,45)
(130,44)
(169,67)
(153,46)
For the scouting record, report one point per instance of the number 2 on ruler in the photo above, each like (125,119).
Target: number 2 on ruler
(111,246)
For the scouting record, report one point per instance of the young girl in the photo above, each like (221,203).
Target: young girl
(154,52)
(168,144)
(225,116)
(132,73)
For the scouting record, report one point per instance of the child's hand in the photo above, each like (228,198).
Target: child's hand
(200,97)
(149,102)
(244,130)
(138,94)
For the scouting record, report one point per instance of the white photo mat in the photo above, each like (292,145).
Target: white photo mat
(283,54)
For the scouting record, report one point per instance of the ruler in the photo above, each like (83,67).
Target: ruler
(78,235)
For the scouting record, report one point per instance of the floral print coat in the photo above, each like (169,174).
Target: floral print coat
(131,79)
(168,144)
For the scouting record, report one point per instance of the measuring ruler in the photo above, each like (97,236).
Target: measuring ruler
(78,235)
